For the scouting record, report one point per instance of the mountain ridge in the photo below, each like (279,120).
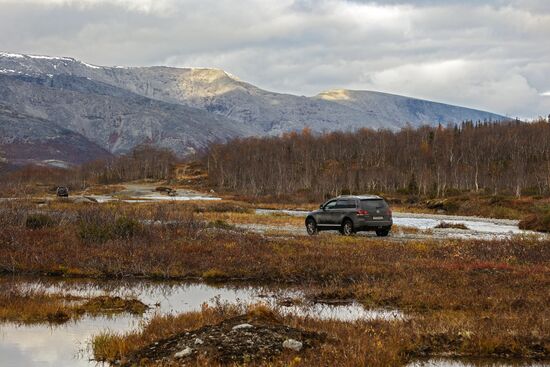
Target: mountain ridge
(185,109)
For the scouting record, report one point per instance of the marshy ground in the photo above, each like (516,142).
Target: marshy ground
(462,297)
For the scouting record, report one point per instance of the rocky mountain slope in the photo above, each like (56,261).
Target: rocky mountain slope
(28,139)
(183,109)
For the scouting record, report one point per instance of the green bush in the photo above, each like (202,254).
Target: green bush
(122,228)
(36,221)
(93,232)
(125,227)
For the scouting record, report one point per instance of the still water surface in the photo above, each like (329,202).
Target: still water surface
(68,345)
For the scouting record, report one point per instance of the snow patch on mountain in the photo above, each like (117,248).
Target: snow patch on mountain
(7,54)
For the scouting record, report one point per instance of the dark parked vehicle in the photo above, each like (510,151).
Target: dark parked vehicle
(62,192)
(351,214)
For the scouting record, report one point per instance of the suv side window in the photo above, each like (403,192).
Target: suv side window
(346,204)
(330,205)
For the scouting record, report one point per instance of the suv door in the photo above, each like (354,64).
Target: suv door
(326,213)
(343,207)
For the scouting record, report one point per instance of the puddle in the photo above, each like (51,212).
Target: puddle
(67,345)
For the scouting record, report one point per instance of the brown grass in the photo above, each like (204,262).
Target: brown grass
(446,225)
(101,190)
(359,343)
(33,306)
(538,221)
(497,291)
(252,218)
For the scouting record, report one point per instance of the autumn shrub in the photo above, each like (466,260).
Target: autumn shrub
(125,227)
(221,224)
(90,232)
(122,228)
(14,212)
(538,221)
(98,225)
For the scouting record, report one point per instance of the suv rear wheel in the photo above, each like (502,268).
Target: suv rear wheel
(311,227)
(347,228)
(382,232)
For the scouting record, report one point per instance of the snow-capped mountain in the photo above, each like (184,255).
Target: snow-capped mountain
(118,108)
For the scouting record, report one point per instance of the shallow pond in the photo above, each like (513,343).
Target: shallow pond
(67,345)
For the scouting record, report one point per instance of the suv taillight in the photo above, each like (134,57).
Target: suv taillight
(389,212)
(361,212)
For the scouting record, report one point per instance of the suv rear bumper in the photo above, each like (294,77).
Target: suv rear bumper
(373,225)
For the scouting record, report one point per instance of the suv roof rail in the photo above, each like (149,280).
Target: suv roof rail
(360,196)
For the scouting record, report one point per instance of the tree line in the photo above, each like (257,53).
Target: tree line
(144,162)
(495,158)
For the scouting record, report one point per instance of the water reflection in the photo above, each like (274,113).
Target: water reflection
(67,345)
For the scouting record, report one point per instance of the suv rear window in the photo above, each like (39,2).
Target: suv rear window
(373,204)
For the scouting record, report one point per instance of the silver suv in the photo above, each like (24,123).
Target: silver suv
(350,214)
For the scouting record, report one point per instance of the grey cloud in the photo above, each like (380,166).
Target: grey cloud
(492,55)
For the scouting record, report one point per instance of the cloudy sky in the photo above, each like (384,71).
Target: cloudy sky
(492,55)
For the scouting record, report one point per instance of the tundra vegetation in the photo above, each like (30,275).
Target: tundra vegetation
(477,298)
(31,306)
(485,169)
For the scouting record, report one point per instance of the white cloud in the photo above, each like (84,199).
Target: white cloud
(492,55)
(146,6)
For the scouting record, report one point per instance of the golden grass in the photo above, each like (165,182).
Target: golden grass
(32,306)
(252,218)
(497,291)
(358,343)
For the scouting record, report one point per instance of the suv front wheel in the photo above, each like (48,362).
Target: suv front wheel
(311,227)
(347,228)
